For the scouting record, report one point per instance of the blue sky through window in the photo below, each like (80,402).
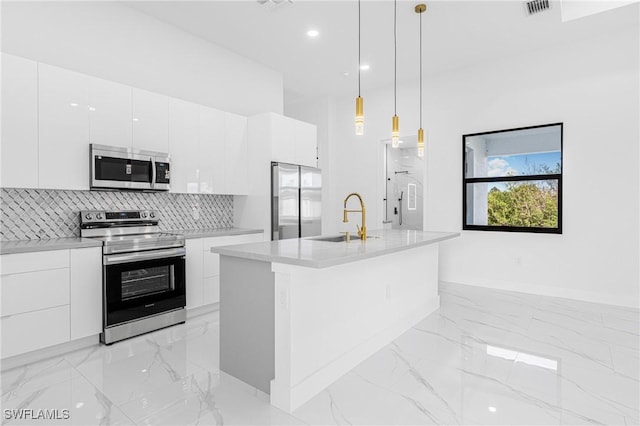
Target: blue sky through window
(523,164)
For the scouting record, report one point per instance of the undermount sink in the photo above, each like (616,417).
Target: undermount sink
(339,238)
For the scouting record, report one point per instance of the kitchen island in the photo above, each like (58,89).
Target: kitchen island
(297,314)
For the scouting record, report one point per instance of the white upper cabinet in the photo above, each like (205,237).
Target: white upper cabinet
(305,143)
(110,113)
(212,151)
(235,154)
(282,139)
(184,148)
(292,141)
(19,122)
(150,121)
(63,125)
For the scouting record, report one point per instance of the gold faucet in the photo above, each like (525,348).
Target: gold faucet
(362,231)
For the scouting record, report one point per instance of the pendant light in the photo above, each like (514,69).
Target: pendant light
(420,9)
(359,100)
(395,121)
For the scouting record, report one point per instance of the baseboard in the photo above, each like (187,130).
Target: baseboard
(48,352)
(560,292)
(201,310)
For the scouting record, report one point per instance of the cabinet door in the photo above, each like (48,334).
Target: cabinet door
(211,266)
(211,290)
(31,291)
(34,330)
(282,139)
(235,154)
(305,145)
(212,151)
(19,122)
(150,121)
(86,291)
(194,272)
(110,113)
(184,119)
(63,154)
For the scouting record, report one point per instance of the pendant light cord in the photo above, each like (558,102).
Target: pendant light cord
(358,48)
(395,58)
(420,70)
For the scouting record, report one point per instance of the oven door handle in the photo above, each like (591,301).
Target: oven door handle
(116,259)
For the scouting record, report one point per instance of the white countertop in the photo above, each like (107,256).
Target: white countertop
(27,246)
(322,254)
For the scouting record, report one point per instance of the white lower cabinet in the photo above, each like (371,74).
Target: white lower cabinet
(34,330)
(203,267)
(211,287)
(86,291)
(48,298)
(31,291)
(193,267)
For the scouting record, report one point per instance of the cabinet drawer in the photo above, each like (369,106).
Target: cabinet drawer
(31,291)
(211,265)
(38,261)
(34,330)
(211,291)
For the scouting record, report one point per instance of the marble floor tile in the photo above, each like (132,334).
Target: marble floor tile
(86,405)
(129,378)
(486,357)
(23,381)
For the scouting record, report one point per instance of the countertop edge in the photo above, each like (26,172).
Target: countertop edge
(32,246)
(319,264)
(205,233)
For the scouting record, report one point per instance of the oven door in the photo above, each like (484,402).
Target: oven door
(140,284)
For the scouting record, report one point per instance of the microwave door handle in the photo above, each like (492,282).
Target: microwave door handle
(153,172)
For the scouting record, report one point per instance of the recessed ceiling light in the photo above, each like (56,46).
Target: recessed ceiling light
(345,73)
(364,67)
(313,33)
(492,409)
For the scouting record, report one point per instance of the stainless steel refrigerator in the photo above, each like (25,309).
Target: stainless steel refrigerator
(296,201)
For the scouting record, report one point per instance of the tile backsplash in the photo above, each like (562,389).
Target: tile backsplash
(27,214)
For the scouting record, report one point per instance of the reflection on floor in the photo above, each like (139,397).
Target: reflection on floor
(486,357)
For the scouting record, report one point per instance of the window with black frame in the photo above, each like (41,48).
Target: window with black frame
(512,180)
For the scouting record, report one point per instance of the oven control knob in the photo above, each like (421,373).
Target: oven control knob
(152,215)
(143,215)
(99,216)
(88,216)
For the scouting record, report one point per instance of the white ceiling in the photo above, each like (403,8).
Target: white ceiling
(455,34)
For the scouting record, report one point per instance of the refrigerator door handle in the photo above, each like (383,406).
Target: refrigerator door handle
(275,213)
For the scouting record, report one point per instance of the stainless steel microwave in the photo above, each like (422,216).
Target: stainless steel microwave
(115,167)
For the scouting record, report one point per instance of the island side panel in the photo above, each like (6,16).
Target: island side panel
(247,321)
(329,320)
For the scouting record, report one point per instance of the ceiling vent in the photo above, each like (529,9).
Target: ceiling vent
(536,6)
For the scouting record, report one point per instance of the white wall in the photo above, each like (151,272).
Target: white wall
(593,88)
(117,43)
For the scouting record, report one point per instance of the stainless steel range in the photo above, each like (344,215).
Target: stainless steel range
(143,272)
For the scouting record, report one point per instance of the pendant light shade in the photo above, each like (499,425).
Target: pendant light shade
(359,100)
(359,116)
(395,131)
(420,9)
(395,121)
